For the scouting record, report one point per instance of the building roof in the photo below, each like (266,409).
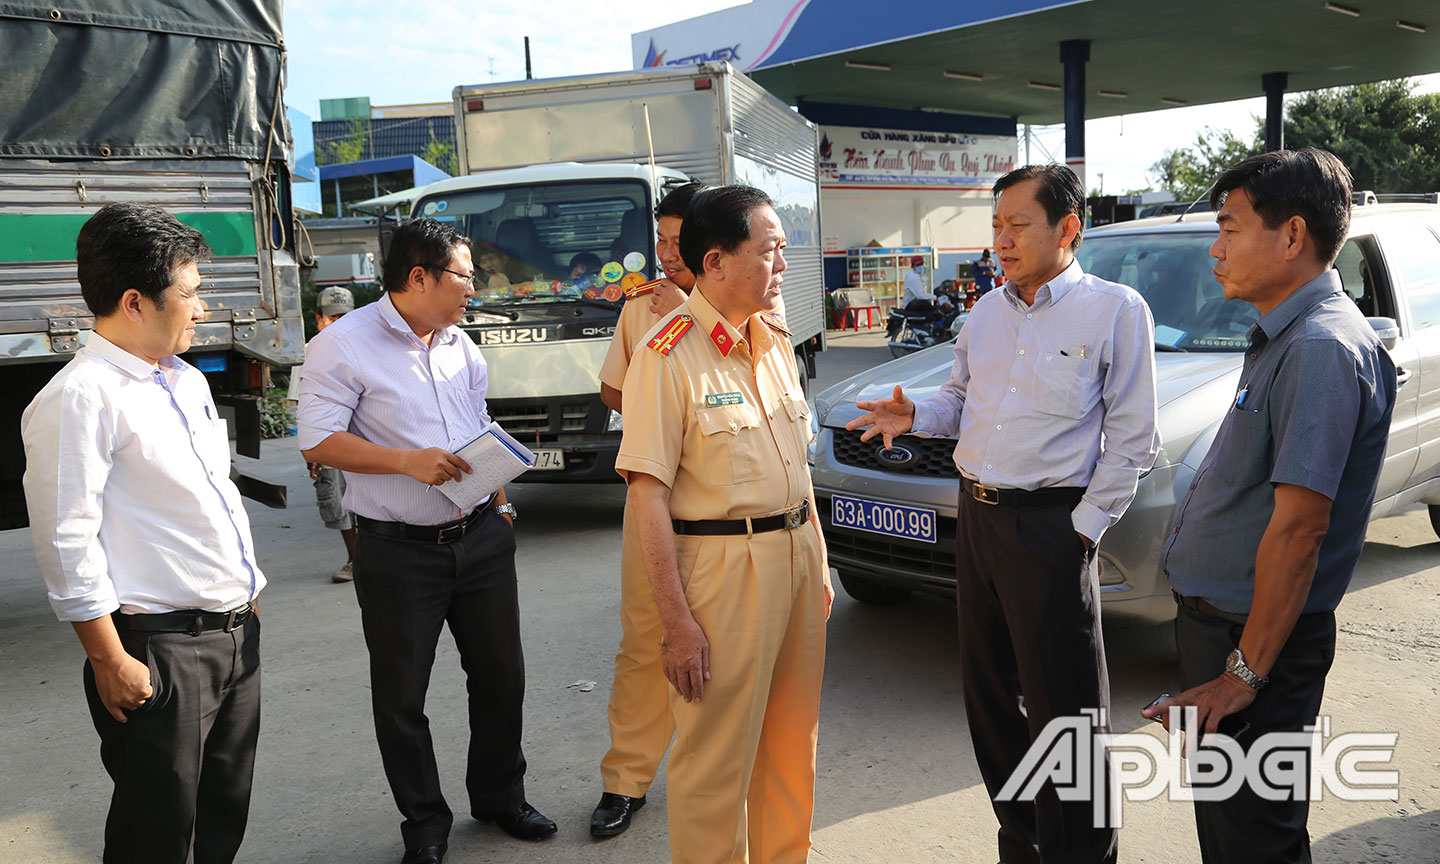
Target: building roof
(423,171)
(1194,52)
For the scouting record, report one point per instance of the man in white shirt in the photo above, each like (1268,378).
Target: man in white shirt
(146,549)
(1052,397)
(913,296)
(387,394)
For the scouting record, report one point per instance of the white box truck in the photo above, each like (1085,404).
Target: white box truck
(558,179)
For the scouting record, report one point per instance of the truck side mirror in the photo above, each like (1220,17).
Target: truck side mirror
(1386,329)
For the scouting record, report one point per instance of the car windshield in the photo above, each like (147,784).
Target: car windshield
(552,242)
(1173,273)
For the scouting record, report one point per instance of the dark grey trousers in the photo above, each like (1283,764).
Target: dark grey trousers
(1247,827)
(1031,650)
(182,763)
(408,590)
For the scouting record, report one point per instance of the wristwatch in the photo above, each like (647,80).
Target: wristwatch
(1235,665)
(507,510)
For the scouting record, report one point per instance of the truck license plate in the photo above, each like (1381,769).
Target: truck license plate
(549,460)
(895,520)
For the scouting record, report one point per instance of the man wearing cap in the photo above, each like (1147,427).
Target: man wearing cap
(146,548)
(913,296)
(714,453)
(639,708)
(332,303)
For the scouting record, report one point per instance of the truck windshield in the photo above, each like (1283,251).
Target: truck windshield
(553,242)
(1173,272)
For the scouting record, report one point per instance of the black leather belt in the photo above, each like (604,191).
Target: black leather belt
(1070,495)
(1209,609)
(192,621)
(439,534)
(788,521)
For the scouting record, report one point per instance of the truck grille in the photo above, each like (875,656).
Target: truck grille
(544,419)
(935,455)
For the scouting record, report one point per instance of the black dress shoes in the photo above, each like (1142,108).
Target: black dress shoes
(425,855)
(523,823)
(612,814)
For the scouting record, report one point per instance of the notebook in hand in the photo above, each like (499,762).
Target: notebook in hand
(494,459)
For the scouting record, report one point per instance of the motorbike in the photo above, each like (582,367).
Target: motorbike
(911,331)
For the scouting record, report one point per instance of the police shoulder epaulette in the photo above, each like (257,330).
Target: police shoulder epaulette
(665,340)
(776,322)
(640,290)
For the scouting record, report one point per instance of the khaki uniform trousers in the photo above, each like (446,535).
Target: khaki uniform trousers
(640,721)
(741,780)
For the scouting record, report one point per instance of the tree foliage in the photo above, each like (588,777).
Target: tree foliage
(1189,171)
(441,154)
(350,147)
(1386,134)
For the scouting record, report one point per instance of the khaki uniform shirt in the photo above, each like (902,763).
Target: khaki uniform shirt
(717,415)
(636,319)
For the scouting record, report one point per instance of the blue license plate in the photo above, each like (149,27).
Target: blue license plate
(895,520)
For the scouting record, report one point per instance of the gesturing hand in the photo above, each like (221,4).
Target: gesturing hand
(666,297)
(434,465)
(888,417)
(685,657)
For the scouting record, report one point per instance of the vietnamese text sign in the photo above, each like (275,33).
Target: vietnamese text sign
(896,157)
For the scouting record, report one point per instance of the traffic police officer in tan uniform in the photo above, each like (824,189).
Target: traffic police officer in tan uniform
(714,452)
(639,710)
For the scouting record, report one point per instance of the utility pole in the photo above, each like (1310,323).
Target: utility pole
(528,76)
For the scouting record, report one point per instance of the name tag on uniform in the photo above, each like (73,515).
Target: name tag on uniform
(712,400)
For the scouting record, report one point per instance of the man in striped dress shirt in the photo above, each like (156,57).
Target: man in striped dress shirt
(387,394)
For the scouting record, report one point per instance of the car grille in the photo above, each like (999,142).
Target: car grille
(936,455)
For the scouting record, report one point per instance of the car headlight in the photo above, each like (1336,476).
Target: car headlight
(813,447)
(615,424)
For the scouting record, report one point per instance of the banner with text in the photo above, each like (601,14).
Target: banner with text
(895,157)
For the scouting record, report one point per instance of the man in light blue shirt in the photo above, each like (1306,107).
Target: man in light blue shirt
(1052,396)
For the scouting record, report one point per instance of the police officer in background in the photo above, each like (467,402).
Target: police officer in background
(639,709)
(714,452)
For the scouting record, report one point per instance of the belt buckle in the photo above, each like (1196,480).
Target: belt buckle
(230,623)
(450,534)
(985,494)
(794,518)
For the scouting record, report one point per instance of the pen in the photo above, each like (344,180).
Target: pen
(1240,399)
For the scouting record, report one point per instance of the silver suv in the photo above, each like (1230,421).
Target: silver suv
(889,517)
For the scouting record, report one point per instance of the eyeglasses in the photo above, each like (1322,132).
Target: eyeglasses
(469,280)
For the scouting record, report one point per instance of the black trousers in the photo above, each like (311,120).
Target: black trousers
(1031,650)
(407,591)
(182,763)
(1247,827)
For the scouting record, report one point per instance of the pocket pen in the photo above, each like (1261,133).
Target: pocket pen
(1240,398)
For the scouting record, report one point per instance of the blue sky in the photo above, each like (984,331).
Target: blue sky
(404,51)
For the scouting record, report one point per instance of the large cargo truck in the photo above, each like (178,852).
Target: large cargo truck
(566,172)
(177,105)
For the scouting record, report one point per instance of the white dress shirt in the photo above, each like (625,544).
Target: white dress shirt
(914,289)
(370,375)
(1059,393)
(127,481)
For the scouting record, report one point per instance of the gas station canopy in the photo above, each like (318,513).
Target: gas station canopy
(1002,58)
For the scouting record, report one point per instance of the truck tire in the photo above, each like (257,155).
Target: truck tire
(1435,517)
(869,591)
